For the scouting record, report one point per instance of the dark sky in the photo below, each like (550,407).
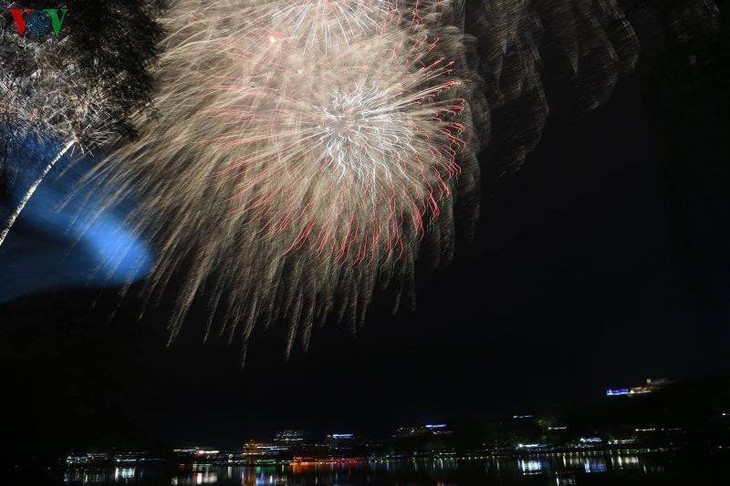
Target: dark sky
(601,262)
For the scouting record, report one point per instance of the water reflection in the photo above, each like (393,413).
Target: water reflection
(531,466)
(124,473)
(548,469)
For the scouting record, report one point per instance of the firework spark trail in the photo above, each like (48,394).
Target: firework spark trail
(31,190)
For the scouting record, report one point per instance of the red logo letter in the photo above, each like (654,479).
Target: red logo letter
(19,18)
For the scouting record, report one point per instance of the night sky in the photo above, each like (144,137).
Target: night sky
(600,262)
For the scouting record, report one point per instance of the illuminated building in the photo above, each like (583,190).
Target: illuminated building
(339,440)
(88,458)
(423,430)
(263,449)
(342,443)
(532,446)
(438,429)
(107,458)
(290,437)
(590,440)
(196,451)
(650,387)
(629,441)
(134,457)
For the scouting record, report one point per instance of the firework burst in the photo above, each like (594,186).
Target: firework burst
(306,149)
(318,144)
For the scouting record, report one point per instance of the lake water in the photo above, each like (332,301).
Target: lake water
(552,469)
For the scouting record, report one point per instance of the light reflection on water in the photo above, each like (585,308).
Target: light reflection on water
(553,470)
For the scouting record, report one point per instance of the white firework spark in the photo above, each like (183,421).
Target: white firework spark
(325,24)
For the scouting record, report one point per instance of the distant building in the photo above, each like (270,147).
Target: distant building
(134,457)
(651,386)
(99,458)
(340,439)
(587,441)
(290,437)
(194,453)
(263,449)
(86,459)
(423,430)
(533,446)
(438,429)
(626,441)
(340,444)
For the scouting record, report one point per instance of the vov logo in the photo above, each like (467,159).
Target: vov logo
(32,22)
